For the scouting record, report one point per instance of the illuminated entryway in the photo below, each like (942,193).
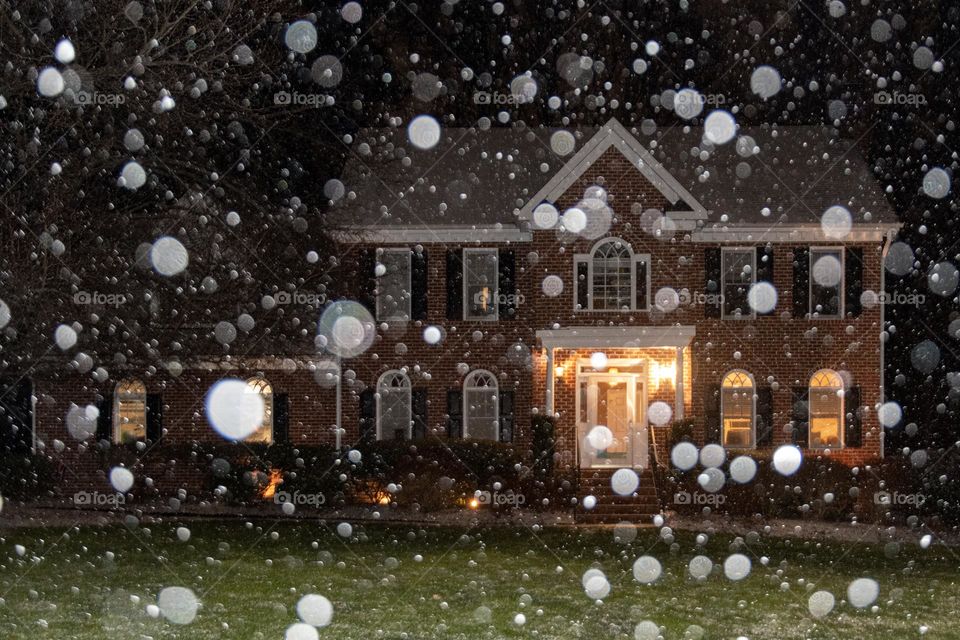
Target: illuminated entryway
(611,426)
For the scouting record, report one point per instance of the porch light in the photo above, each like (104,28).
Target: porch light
(558,371)
(665,373)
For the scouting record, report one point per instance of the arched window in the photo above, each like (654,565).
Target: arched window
(826,409)
(481,404)
(129,411)
(612,275)
(264,433)
(738,410)
(394,406)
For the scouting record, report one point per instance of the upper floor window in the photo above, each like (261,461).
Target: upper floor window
(612,278)
(480,277)
(826,282)
(738,410)
(738,274)
(826,409)
(394,406)
(263,433)
(129,411)
(481,403)
(394,284)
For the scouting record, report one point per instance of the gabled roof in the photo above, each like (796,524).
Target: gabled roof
(489,177)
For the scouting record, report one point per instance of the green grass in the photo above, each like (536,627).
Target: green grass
(68,585)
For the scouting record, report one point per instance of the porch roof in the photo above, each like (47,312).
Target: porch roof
(628,337)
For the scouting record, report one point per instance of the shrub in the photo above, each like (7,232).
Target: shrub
(543,428)
(25,476)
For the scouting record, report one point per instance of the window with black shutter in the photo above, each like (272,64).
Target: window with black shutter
(764,416)
(154,417)
(712,279)
(853,280)
(419,277)
(105,419)
(419,397)
(454,284)
(764,274)
(711,412)
(367,279)
(454,413)
(853,436)
(16,415)
(801,416)
(506,416)
(801,282)
(507,265)
(281,418)
(368,415)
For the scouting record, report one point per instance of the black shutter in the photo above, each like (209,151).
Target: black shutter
(583,285)
(507,285)
(455,284)
(154,417)
(105,419)
(281,418)
(764,416)
(418,279)
(419,399)
(711,412)
(801,282)
(765,270)
(853,276)
(367,280)
(642,268)
(853,425)
(801,416)
(16,416)
(455,413)
(506,416)
(712,265)
(368,416)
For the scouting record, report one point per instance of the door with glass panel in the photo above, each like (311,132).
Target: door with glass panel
(609,420)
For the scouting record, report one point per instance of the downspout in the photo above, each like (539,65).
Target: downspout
(339,404)
(883,327)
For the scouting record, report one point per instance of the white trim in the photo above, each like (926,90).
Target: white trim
(753,410)
(409,392)
(466,284)
(465,414)
(723,282)
(794,233)
(627,337)
(883,326)
(842,429)
(406,314)
(614,134)
(842,286)
(441,235)
(588,258)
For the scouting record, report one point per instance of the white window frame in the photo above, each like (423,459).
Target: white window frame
(723,281)
(588,258)
(842,286)
(842,428)
(493,317)
(126,397)
(400,314)
(408,387)
(753,409)
(468,386)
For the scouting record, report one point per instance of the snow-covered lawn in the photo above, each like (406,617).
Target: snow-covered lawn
(396,581)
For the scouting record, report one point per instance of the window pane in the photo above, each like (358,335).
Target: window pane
(738,275)
(737,417)
(393,287)
(826,277)
(480,275)
(264,433)
(825,417)
(612,277)
(130,411)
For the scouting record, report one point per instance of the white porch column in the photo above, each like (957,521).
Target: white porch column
(550,382)
(678,385)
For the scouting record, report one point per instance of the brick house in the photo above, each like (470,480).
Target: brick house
(622,281)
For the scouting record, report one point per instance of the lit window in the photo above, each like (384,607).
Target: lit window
(394,406)
(481,404)
(826,409)
(263,433)
(130,411)
(739,273)
(480,273)
(393,285)
(826,283)
(737,408)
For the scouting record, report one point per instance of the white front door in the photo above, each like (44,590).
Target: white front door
(610,421)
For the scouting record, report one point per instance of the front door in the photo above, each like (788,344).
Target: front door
(611,428)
